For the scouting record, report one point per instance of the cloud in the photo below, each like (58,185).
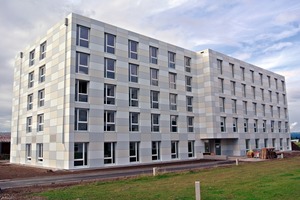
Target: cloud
(292,126)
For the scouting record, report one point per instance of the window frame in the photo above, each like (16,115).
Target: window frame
(174,149)
(31,79)
(153,55)
(173,101)
(191,148)
(82,68)
(79,122)
(172,80)
(188,83)
(43,49)
(174,127)
(109,126)
(41,97)
(133,50)
(155,150)
(134,124)
(133,75)
(235,125)
(154,76)
(220,66)
(40,152)
(80,96)
(171,60)
(28,152)
(187,64)
(189,103)
(190,124)
(42,74)
(154,103)
(108,64)
(31,57)
(30,101)
(107,94)
(246,125)
(133,97)
(109,155)
(82,161)
(223,124)
(82,41)
(29,124)
(134,153)
(109,48)
(155,127)
(40,122)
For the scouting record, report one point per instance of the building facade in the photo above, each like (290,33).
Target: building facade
(89,94)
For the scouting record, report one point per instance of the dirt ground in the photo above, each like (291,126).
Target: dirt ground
(13,171)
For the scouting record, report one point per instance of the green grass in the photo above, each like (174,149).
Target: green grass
(276,179)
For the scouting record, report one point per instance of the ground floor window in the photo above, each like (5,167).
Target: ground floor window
(287,143)
(280,144)
(247,141)
(134,151)
(266,143)
(39,148)
(191,149)
(174,149)
(109,152)
(28,152)
(80,154)
(155,150)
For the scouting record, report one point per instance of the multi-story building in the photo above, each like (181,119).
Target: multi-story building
(89,94)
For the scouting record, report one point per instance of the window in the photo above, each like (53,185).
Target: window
(109,120)
(154,99)
(42,71)
(174,149)
(264,125)
(153,51)
(41,97)
(244,90)
(43,50)
(189,104)
(29,124)
(133,151)
(80,154)
(173,123)
(287,143)
(243,73)
(171,60)
(261,79)
(134,97)
(279,126)
(82,63)
(283,86)
(253,92)
(245,125)
(269,81)
(109,68)
(235,124)
(252,75)
(257,143)
(39,149)
(278,111)
(30,79)
(29,101)
(187,62)
(232,88)
(284,99)
(155,150)
(245,107)
(263,109)
(172,80)
(220,66)
(109,43)
(277,97)
(109,94)
(191,149)
(222,104)
(173,101)
(133,121)
(190,124)
(286,127)
(276,83)
(81,91)
(280,144)
(272,126)
(154,77)
(247,141)
(285,113)
(28,152)
(40,122)
(255,125)
(31,58)
(81,119)
(133,73)
(188,83)
(133,49)
(262,94)
(82,36)
(221,85)
(271,111)
(265,143)
(232,69)
(233,104)
(254,108)
(223,124)
(155,122)
(109,152)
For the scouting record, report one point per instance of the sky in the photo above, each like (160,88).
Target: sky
(264,33)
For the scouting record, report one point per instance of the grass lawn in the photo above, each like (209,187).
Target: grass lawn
(275,179)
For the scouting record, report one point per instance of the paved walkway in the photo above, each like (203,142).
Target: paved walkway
(107,174)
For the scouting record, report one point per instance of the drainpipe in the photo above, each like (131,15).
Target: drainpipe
(64,101)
